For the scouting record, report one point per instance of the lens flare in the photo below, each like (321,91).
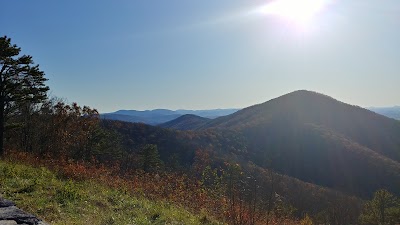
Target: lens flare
(300,12)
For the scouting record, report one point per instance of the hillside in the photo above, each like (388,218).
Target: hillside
(320,140)
(185,122)
(303,134)
(230,146)
(60,200)
(304,107)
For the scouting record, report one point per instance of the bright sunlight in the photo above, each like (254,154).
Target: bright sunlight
(299,12)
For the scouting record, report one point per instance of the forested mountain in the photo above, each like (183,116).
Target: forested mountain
(186,122)
(303,135)
(304,107)
(320,140)
(214,148)
(158,116)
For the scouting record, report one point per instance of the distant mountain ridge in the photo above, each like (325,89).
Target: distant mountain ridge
(159,116)
(391,112)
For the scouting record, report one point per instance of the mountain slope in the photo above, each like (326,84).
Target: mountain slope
(228,146)
(303,134)
(185,122)
(320,140)
(375,131)
(61,201)
(321,156)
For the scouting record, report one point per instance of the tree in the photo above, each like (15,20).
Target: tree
(384,208)
(306,220)
(20,82)
(149,158)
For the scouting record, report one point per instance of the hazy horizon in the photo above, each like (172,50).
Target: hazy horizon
(239,108)
(210,54)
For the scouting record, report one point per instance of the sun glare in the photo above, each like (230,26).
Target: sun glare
(300,12)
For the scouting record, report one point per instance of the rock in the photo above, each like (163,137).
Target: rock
(8,222)
(5,203)
(11,215)
(13,212)
(21,217)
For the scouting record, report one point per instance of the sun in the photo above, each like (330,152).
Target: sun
(300,12)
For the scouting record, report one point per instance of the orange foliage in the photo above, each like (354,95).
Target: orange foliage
(170,186)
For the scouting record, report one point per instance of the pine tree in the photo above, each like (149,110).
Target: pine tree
(20,82)
(149,158)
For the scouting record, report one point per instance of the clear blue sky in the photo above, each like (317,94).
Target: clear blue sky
(207,54)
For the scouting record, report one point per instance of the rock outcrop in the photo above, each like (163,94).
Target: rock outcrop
(12,215)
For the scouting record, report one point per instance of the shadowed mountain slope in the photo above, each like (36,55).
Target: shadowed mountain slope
(372,130)
(186,122)
(228,146)
(320,140)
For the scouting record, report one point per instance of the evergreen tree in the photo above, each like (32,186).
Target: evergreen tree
(20,81)
(149,158)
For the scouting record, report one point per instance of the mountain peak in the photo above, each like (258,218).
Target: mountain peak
(301,106)
(304,95)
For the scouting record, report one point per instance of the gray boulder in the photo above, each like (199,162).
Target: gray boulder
(5,203)
(11,215)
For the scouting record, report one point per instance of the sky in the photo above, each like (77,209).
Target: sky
(180,54)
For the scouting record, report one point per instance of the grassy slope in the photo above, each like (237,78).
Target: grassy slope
(59,201)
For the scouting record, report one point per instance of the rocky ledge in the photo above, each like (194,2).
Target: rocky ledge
(12,215)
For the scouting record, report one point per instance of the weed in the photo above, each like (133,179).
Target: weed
(68,193)
(85,201)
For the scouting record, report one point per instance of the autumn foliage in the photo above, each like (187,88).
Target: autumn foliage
(174,187)
(198,170)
